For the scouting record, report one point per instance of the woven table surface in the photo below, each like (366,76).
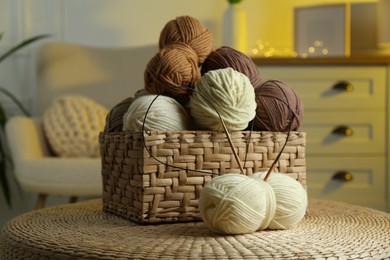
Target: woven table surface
(330,230)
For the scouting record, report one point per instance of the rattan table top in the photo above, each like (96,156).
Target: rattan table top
(330,230)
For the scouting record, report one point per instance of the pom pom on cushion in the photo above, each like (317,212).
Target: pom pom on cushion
(72,124)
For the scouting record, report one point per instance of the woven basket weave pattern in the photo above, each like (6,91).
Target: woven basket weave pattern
(138,187)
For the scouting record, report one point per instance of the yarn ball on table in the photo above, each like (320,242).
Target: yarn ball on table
(114,119)
(172,72)
(188,30)
(165,114)
(275,103)
(225,57)
(228,91)
(291,199)
(236,204)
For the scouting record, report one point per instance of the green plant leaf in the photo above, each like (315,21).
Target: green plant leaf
(3,117)
(4,158)
(6,189)
(4,182)
(234,1)
(3,162)
(21,45)
(16,101)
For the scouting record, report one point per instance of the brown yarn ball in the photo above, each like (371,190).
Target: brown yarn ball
(114,118)
(173,72)
(225,57)
(188,30)
(273,110)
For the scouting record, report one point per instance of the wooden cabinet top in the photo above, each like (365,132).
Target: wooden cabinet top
(352,60)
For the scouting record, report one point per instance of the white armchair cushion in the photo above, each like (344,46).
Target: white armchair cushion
(38,171)
(61,176)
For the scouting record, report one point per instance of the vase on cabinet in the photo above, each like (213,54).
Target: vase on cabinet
(234,31)
(383,10)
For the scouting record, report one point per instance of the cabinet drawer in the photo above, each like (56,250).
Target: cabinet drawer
(315,85)
(367,186)
(325,132)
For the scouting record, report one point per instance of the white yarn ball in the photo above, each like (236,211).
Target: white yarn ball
(165,114)
(236,204)
(291,199)
(231,93)
(72,124)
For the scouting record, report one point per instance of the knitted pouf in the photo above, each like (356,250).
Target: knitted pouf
(71,125)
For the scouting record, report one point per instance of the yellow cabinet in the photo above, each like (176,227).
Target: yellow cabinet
(353,179)
(346,120)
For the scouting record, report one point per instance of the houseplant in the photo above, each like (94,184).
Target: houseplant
(5,160)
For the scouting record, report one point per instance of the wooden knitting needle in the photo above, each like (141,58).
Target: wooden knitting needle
(232,146)
(277,158)
(270,170)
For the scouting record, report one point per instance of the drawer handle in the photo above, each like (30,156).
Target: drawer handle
(343,130)
(343,86)
(343,176)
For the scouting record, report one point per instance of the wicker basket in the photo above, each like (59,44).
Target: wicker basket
(159,178)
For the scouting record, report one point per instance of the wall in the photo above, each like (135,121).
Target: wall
(117,23)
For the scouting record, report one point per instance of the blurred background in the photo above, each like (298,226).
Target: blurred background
(121,23)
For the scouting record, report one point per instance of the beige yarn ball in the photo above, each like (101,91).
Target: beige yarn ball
(165,114)
(291,199)
(189,30)
(236,204)
(230,92)
(172,72)
(72,124)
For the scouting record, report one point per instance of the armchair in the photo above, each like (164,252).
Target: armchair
(37,170)
(106,75)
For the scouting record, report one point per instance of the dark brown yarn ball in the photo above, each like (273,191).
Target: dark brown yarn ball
(188,30)
(225,56)
(173,72)
(140,93)
(273,109)
(114,118)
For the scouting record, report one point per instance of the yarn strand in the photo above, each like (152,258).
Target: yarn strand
(232,147)
(287,137)
(247,143)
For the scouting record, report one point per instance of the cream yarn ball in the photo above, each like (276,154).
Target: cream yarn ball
(231,93)
(291,199)
(236,204)
(165,114)
(72,124)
